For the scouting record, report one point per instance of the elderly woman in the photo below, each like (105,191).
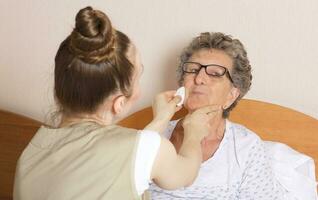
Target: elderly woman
(215,69)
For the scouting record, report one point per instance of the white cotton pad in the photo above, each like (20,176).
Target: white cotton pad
(180,92)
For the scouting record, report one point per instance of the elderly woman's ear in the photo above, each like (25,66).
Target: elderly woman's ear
(232,96)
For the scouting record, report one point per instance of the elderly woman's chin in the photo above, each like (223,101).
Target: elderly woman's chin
(193,104)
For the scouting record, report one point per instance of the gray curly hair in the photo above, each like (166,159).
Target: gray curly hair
(241,72)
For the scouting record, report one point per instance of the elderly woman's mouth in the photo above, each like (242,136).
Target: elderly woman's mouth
(197,92)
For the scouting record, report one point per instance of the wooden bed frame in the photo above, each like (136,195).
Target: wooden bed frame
(271,122)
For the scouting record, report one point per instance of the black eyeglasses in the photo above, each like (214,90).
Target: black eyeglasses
(211,69)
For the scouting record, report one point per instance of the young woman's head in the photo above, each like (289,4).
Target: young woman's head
(96,67)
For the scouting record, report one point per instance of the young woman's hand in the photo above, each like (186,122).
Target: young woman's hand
(164,106)
(201,122)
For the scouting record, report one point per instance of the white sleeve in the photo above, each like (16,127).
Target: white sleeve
(147,149)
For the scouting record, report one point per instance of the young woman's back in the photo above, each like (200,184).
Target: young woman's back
(83,161)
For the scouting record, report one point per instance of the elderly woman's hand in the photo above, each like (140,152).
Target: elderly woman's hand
(199,123)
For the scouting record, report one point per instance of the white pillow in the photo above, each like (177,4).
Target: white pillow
(293,170)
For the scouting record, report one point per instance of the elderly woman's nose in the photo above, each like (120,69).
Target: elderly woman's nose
(201,77)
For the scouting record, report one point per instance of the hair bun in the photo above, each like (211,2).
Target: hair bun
(92,39)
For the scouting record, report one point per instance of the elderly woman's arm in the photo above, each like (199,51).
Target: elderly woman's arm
(258,180)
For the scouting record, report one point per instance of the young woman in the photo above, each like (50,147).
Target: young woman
(97,72)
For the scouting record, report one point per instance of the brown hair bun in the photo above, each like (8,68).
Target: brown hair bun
(92,39)
(91,64)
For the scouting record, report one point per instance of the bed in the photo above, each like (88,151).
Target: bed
(270,121)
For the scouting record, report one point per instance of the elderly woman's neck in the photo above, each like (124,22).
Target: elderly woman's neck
(218,130)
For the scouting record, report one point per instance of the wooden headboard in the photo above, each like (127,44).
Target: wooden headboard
(271,122)
(15,133)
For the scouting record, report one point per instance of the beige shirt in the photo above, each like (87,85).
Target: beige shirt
(83,161)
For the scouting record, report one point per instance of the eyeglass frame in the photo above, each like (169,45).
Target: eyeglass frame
(226,71)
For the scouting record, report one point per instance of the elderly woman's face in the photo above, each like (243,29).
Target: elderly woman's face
(204,89)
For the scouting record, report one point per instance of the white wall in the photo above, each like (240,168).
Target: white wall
(280,37)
